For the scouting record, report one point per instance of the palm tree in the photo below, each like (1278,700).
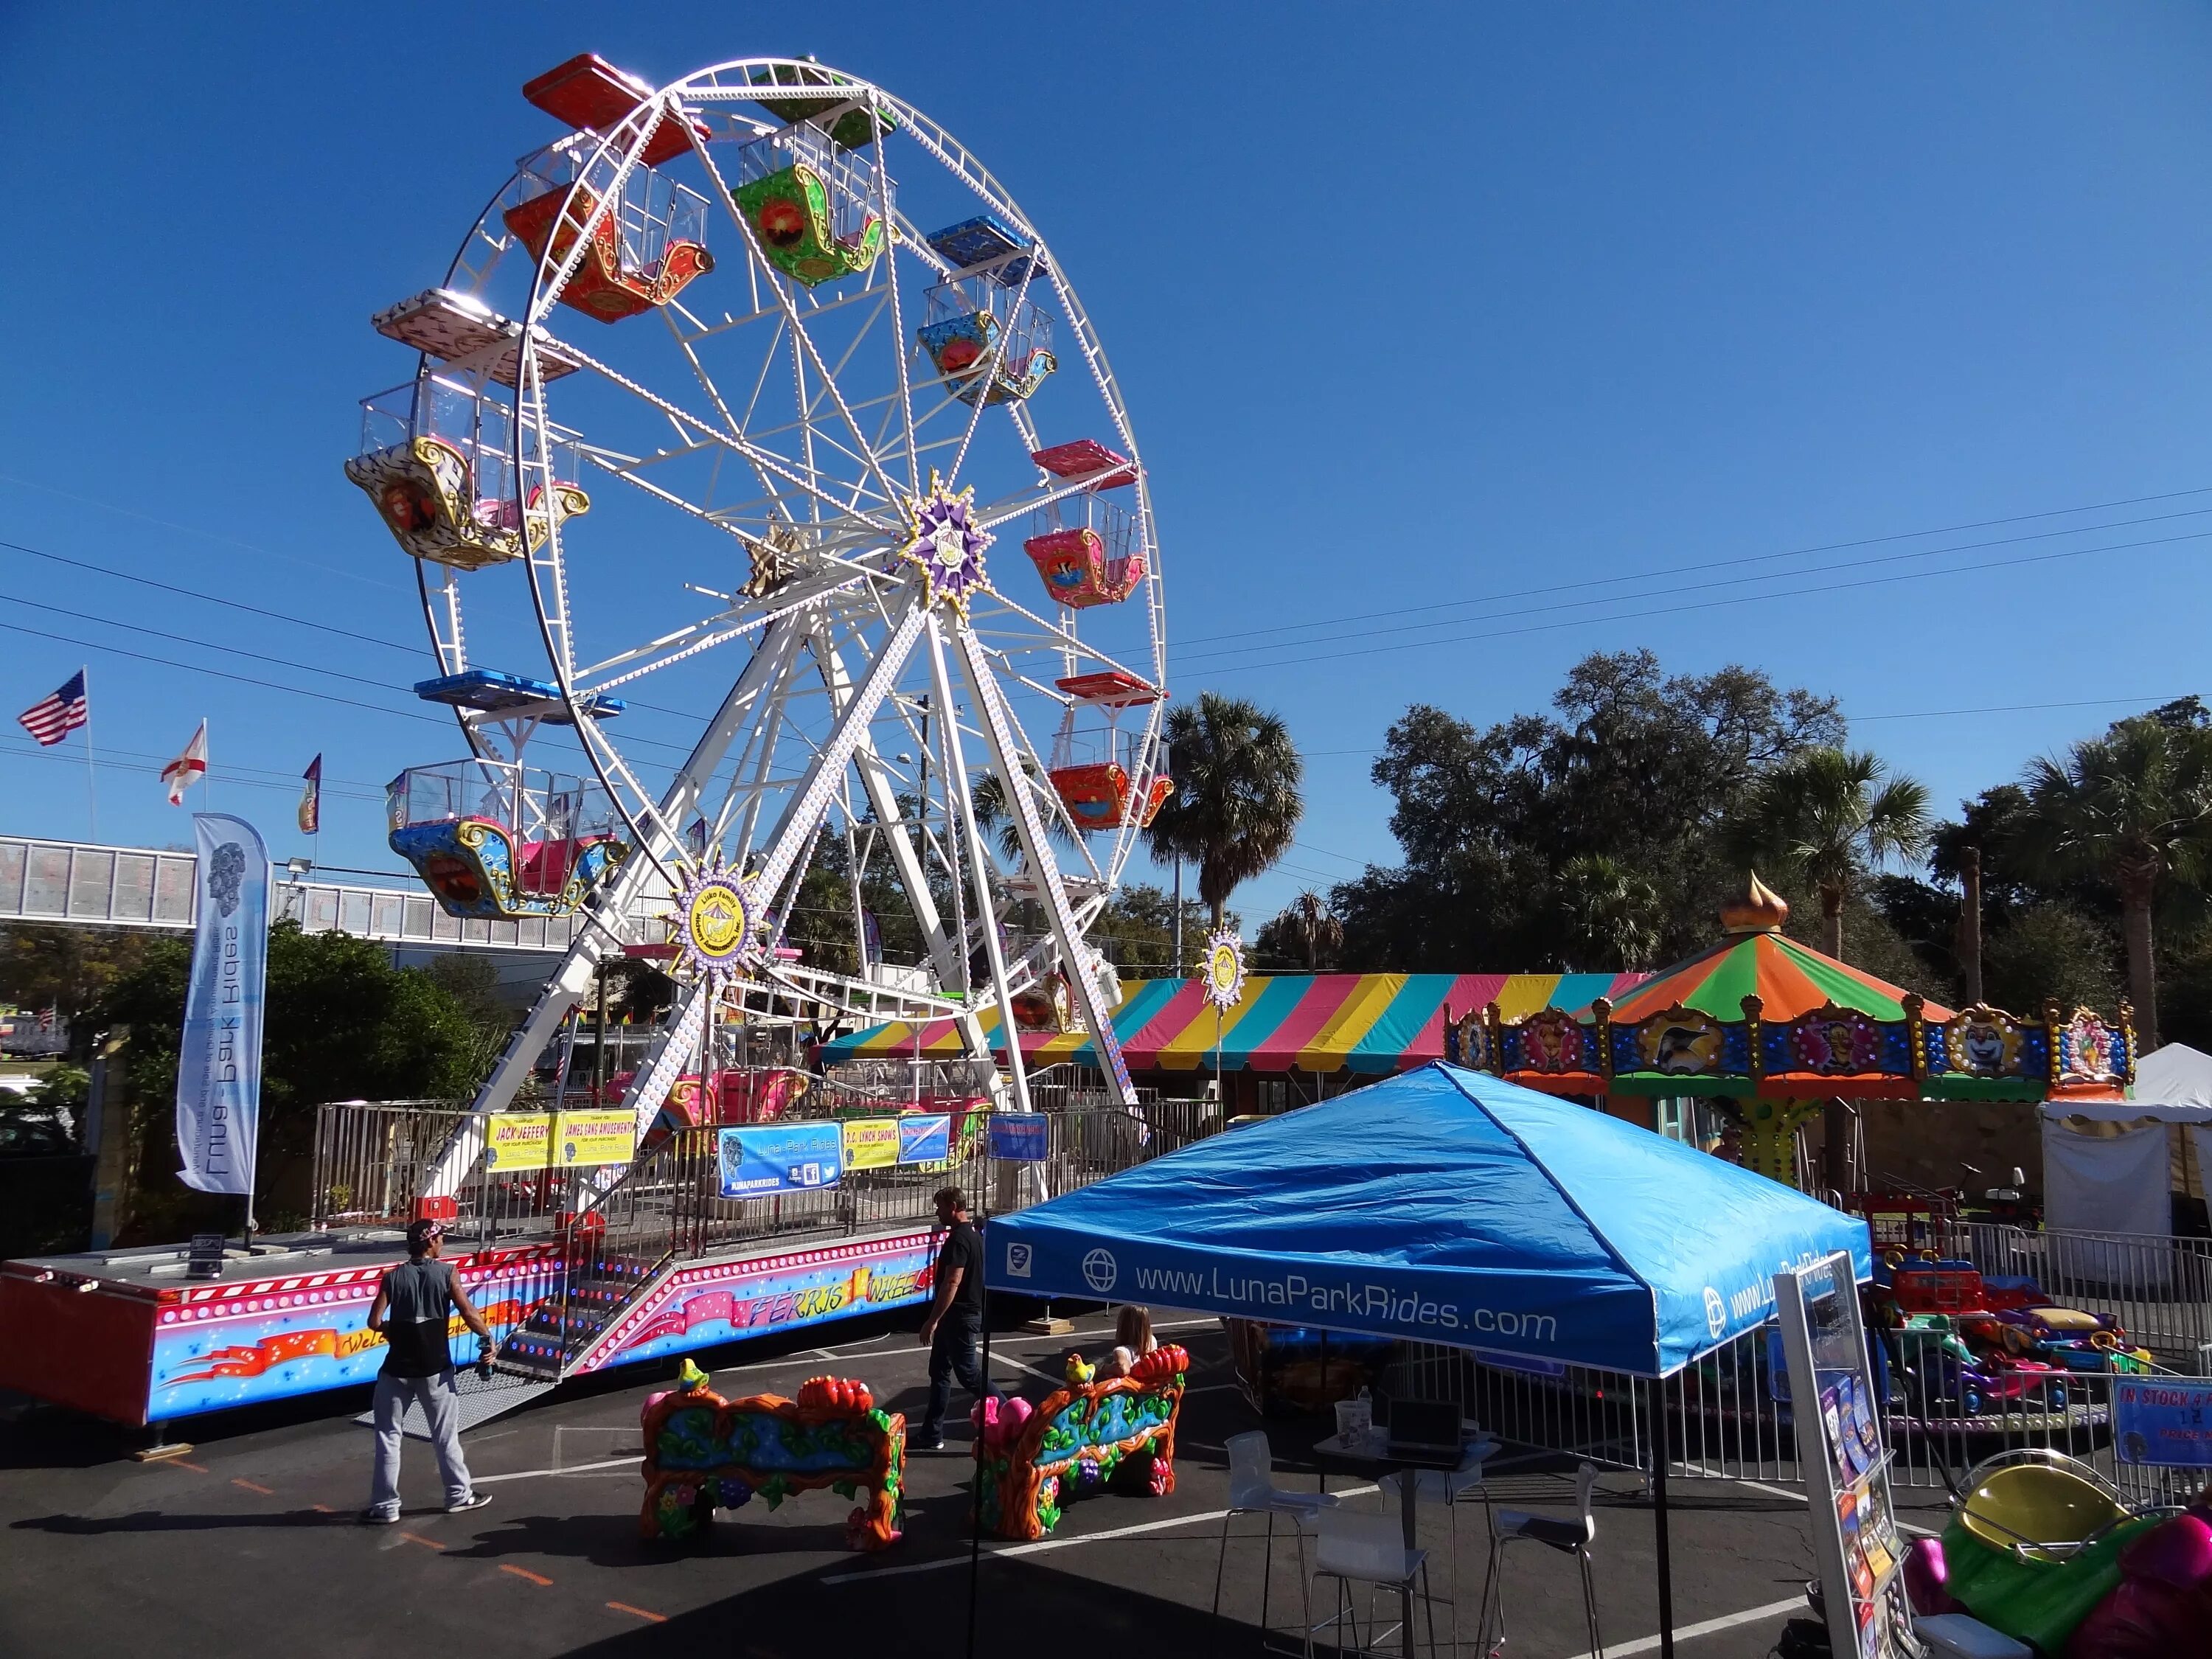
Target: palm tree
(1824,815)
(1237,802)
(1610,914)
(1309,924)
(995,813)
(2133,807)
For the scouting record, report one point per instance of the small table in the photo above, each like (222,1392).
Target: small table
(1370,1455)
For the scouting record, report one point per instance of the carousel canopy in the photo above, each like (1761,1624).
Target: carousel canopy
(1371,1023)
(1447,1206)
(1760,1014)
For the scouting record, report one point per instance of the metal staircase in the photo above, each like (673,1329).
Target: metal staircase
(614,1252)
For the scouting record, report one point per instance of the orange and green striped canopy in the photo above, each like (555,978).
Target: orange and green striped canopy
(1789,979)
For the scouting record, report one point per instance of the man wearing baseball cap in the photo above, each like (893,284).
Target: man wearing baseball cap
(410,1313)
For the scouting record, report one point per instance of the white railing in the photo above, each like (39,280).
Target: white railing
(84,885)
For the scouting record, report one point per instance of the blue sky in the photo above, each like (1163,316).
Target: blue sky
(1427,315)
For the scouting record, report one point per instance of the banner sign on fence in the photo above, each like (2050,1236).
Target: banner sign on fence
(584,1139)
(780,1158)
(563,1140)
(2162,1423)
(870,1143)
(219,1056)
(925,1137)
(1021,1137)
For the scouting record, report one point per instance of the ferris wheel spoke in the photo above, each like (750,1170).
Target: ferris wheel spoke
(764,460)
(802,342)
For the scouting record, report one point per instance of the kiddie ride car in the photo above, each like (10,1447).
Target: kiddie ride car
(1972,1345)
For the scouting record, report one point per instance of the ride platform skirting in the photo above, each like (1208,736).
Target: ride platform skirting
(124,1337)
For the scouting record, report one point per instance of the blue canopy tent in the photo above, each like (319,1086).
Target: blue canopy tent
(1448,1207)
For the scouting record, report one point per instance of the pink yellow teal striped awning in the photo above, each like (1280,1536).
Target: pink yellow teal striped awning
(1373,1023)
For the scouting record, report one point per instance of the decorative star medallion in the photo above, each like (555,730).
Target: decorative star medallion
(712,924)
(1225,970)
(945,544)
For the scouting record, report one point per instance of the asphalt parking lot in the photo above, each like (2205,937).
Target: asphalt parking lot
(248,1547)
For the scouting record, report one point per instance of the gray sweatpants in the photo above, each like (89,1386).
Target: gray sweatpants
(442,1409)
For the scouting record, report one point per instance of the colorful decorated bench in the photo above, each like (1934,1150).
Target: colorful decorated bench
(1083,1439)
(704,1453)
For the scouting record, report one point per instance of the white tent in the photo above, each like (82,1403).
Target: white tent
(2173,1084)
(2109,1182)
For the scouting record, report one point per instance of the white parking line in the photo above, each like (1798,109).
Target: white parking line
(1704,1627)
(1038,1548)
(574,1469)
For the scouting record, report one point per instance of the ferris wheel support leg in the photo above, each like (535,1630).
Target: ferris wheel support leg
(963,802)
(570,982)
(883,801)
(1036,847)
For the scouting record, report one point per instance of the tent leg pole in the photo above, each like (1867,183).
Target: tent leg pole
(1321,1466)
(1662,1453)
(975,1488)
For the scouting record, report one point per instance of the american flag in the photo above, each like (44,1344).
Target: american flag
(53,718)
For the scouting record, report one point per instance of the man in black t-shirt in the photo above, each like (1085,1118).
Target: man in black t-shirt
(413,1304)
(956,1317)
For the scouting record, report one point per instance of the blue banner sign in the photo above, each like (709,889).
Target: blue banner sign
(925,1138)
(219,1053)
(780,1158)
(1022,1137)
(2162,1422)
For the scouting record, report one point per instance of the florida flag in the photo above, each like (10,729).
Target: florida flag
(188,768)
(310,798)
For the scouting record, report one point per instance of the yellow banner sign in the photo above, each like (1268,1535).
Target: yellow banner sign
(871,1143)
(563,1140)
(585,1139)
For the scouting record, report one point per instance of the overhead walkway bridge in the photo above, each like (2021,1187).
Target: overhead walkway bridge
(80,884)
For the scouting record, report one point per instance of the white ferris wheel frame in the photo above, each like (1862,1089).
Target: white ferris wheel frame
(798,622)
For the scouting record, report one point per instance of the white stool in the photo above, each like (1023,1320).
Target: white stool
(1571,1535)
(1448,1487)
(1370,1550)
(1253,1491)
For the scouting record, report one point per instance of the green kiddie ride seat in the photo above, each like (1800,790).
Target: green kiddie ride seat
(2035,1545)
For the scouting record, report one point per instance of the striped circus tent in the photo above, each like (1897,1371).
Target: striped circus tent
(1369,1023)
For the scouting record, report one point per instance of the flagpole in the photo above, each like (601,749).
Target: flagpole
(91,776)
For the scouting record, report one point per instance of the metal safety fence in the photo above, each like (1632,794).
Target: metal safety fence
(1946,1409)
(374,1160)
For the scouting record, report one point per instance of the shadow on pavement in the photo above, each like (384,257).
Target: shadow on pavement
(1023,1608)
(162,1521)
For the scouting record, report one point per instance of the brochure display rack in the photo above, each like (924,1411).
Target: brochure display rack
(1846,1466)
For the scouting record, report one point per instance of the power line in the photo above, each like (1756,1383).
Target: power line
(211,599)
(187,639)
(274,616)
(1732,581)
(217,673)
(1704,604)
(360,788)
(190,530)
(1758,558)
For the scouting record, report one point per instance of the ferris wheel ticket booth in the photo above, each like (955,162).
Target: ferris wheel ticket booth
(758,380)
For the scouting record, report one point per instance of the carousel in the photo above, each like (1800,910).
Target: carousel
(1773,1031)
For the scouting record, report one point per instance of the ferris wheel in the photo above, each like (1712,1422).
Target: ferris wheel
(828,524)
